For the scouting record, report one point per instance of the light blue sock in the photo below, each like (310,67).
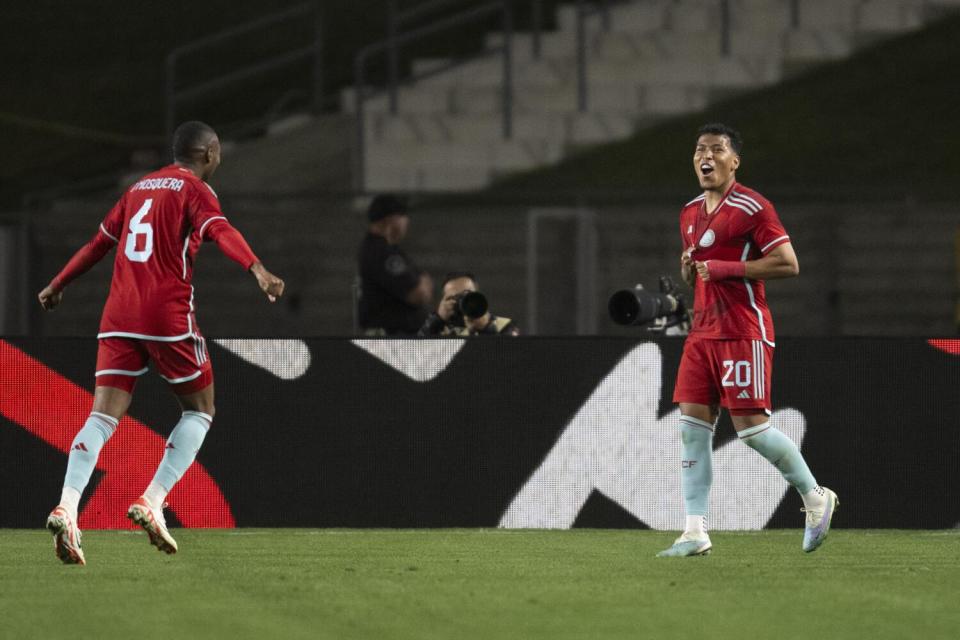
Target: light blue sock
(781,451)
(85,449)
(182,447)
(696,466)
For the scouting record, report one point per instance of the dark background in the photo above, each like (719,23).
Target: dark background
(353,443)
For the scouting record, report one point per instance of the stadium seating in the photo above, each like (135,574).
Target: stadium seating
(657,60)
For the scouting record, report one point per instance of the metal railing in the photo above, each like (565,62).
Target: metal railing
(175,96)
(397,20)
(584,11)
(392,45)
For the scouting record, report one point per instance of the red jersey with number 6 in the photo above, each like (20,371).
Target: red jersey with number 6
(745,226)
(158,226)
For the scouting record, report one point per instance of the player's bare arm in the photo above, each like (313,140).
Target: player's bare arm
(779,263)
(269,283)
(687,271)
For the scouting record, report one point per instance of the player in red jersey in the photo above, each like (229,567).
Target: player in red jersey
(732,242)
(158,226)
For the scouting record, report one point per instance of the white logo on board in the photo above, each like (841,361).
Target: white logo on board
(708,238)
(616,444)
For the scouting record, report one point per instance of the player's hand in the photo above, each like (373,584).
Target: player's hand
(269,283)
(686,259)
(703,271)
(50,298)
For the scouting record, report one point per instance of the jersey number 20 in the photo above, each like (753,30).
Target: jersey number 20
(140,228)
(739,370)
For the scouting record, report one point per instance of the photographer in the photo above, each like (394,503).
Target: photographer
(463,312)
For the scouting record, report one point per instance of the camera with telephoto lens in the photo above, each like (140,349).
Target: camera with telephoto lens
(470,304)
(638,307)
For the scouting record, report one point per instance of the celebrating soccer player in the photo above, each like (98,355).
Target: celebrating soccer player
(158,226)
(732,242)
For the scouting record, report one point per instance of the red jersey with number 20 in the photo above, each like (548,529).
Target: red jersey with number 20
(158,224)
(745,226)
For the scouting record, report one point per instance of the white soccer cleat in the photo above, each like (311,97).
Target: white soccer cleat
(688,544)
(66,536)
(818,521)
(153,523)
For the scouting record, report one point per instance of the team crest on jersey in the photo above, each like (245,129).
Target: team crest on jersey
(708,238)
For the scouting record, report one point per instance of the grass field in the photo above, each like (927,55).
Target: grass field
(298,583)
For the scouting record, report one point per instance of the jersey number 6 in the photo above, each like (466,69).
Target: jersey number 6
(140,228)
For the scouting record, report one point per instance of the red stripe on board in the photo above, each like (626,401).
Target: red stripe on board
(47,405)
(950,345)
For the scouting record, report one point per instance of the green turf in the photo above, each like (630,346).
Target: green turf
(294,583)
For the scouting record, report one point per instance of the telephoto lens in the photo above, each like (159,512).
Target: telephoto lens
(473,305)
(633,307)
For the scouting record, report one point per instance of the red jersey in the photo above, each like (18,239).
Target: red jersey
(745,226)
(158,226)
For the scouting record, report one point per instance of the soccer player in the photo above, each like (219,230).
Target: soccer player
(157,225)
(732,242)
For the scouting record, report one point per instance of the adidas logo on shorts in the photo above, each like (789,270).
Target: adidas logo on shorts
(743,395)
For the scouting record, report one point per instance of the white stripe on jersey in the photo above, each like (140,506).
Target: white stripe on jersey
(107,233)
(193,376)
(773,242)
(190,314)
(204,225)
(200,347)
(744,196)
(120,372)
(758,371)
(753,300)
(749,212)
(759,349)
(141,336)
(753,303)
(186,243)
(748,204)
(763,371)
(700,197)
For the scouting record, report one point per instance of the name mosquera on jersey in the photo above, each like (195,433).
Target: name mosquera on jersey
(745,226)
(158,225)
(158,183)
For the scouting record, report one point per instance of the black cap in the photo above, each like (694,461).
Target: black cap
(385,205)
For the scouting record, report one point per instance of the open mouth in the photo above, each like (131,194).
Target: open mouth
(705,169)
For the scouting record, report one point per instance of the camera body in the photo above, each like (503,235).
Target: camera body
(656,312)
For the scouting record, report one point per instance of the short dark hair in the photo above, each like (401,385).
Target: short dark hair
(455,275)
(189,137)
(385,204)
(720,129)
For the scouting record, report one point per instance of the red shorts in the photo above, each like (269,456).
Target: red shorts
(185,364)
(734,374)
